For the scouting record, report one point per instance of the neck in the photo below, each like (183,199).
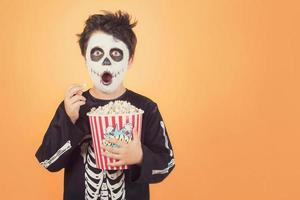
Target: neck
(107,96)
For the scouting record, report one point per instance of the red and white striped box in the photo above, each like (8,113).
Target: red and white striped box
(103,125)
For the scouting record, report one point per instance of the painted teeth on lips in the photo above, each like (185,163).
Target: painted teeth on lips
(114,74)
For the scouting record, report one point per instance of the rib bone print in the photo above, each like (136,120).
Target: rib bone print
(101,184)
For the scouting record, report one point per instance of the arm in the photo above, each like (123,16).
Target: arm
(62,135)
(158,157)
(60,139)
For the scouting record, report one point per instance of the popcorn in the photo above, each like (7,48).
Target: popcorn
(84,85)
(115,120)
(115,108)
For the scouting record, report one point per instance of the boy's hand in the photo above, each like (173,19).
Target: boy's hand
(73,100)
(125,154)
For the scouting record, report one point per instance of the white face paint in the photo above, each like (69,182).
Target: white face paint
(107,61)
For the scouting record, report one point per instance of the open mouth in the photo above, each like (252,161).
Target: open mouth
(106,78)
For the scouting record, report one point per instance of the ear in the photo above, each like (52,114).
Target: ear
(130,61)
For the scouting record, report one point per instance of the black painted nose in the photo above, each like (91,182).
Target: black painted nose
(106,61)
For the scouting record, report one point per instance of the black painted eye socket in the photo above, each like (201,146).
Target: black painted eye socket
(96,54)
(116,54)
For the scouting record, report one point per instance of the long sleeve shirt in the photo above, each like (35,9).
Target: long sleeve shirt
(69,146)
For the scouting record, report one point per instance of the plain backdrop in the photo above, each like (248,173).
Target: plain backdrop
(225,74)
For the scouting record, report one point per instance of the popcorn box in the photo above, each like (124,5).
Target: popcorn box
(119,126)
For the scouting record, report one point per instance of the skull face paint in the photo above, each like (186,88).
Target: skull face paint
(107,61)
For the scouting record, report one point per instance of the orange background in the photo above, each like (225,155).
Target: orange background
(225,75)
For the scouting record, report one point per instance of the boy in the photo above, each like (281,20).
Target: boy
(107,43)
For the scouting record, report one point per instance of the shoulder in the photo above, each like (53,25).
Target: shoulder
(141,101)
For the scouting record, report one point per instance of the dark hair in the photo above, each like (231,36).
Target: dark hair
(116,24)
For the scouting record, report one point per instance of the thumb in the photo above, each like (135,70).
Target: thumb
(135,134)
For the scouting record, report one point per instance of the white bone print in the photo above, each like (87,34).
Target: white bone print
(59,153)
(101,184)
(172,162)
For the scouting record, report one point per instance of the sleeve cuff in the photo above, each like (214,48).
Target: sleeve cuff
(140,172)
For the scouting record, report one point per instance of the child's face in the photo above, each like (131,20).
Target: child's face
(107,61)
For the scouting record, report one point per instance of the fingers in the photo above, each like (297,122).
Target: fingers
(110,149)
(74,89)
(117,142)
(111,155)
(84,85)
(73,85)
(78,103)
(76,98)
(135,134)
(116,164)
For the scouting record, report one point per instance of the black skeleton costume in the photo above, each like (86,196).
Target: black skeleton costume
(69,146)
